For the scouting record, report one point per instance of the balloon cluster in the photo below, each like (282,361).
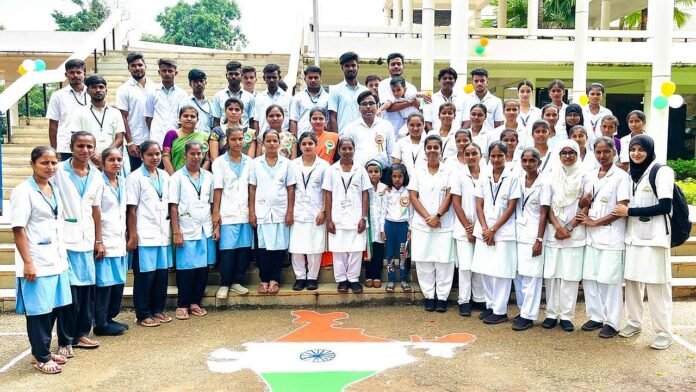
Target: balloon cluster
(668,97)
(481,47)
(29,65)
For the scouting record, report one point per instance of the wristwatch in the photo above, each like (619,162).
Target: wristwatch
(569,227)
(438,215)
(130,144)
(540,239)
(364,218)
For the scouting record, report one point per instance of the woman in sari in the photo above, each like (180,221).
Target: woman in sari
(175,140)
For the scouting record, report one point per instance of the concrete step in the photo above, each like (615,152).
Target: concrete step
(686,249)
(684,266)
(31,139)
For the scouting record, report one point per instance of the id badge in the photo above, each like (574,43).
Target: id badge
(202,205)
(346,204)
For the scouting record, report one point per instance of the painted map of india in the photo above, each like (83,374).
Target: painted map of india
(320,355)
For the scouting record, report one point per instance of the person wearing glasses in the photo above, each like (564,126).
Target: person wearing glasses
(373,136)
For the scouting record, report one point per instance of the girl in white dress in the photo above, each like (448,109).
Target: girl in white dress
(648,263)
(528,112)
(480,133)
(511,111)
(589,162)
(594,111)
(549,113)
(540,133)
(512,157)
(432,245)
(557,90)
(446,114)
(409,150)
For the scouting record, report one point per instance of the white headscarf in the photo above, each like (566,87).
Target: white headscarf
(566,180)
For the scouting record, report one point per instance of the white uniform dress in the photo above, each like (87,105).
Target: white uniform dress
(592,122)
(449,145)
(432,249)
(604,255)
(524,126)
(648,264)
(112,269)
(411,154)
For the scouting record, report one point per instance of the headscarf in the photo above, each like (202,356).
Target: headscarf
(566,180)
(636,170)
(573,107)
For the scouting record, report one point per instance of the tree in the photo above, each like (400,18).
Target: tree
(638,20)
(553,14)
(205,23)
(89,18)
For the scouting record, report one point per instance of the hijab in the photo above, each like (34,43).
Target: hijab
(573,108)
(566,180)
(636,170)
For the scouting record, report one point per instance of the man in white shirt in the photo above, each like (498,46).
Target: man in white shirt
(273,95)
(447,78)
(63,104)
(162,107)
(302,103)
(493,104)
(198,80)
(395,65)
(103,121)
(343,107)
(131,98)
(234,74)
(373,136)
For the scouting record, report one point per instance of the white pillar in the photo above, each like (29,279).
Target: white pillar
(427,61)
(459,41)
(315,15)
(408,16)
(502,14)
(396,7)
(477,18)
(582,19)
(532,18)
(660,24)
(605,15)
(387,15)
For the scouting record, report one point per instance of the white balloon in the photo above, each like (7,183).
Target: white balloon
(675,101)
(29,65)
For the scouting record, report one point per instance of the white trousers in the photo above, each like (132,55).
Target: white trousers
(528,295)
(346,266)
(435,278)
(497,293)
(659,304)
(561,297)
(470,287)
(603,302)
(306,266)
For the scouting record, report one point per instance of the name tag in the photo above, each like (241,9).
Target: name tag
(201,204)
(305,199)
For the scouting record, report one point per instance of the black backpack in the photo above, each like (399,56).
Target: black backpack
(679,224)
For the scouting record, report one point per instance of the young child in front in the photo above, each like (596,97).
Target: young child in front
(398,118)
(396,206)
(375,212)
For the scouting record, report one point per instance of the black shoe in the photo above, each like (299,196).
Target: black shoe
(478,305)
(607,332)
(111,321)
(429,304)
(356,287)
(299,285)
(312,284)
(549,323)
(465,309)
(109,330)
(485,313)
(343,286)
(567,326)
(516,318)
(441,306)
(591,325)
(521,323)
(495,318)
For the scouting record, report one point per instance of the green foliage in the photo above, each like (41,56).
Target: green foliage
(205,23)
(89,18)
(556,14)
(689,188)
(635,20)
(36,102)
(683,169)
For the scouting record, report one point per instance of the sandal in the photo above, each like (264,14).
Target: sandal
(163,318)
(65,351)
(406,287)
(49,367)
(273,287)
(369,283)
(148,322)
(181,314)
(58,359)
(198,311)
(263,288)
(86,343)
(377,283)
(389,287)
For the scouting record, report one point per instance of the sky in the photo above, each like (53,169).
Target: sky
(259,17)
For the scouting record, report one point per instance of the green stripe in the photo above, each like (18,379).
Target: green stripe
(313,381)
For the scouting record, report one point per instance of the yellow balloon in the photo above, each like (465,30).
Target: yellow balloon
(584,100)
(469,88)
(21,69)
(668,88)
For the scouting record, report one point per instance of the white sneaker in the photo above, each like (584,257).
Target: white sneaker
(222,292)
(239,289)
(662,342)
(628,331)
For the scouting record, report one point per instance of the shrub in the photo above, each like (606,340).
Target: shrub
(683,168)
(689,188)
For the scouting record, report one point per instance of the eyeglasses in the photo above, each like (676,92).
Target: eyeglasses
(568,153)
(367,103)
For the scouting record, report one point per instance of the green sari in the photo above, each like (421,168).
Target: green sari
(177,144)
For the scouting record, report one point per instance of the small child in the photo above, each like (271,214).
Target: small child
(372,84)
(375,212)
(396,206)
(398,119)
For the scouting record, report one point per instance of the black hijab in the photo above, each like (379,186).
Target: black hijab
(636,170)
(573,107)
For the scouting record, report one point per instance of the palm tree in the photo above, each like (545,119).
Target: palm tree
(639,20)
(553,14)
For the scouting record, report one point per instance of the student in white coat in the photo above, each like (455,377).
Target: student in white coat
(346,185)
(648,244)
(511,139)
(147,218)
(112,268)
(530,228)
(565,237)
(432,245)
(540,133)
(528,112)
(308,232)
(271,209)
(604,255)
(594,111)
(465,172)
(549,113)
(231,213)
(190,200)
(481,134)
(495,255)
(557,90)
(409,150)
(636,122)
(41,264)
(446,114)
(81,187)
(589,162)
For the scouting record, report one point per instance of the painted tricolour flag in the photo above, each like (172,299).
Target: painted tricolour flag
(322,356)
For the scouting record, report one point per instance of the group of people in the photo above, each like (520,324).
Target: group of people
(472,189)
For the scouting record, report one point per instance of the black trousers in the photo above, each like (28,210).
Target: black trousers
(135,162)
(191,284)
(234,264)
(373,269)
(83,310)
(64,156)
(39,331)
(149,290)
(270,264)
(108,304)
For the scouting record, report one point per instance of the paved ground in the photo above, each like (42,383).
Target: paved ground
(173,357)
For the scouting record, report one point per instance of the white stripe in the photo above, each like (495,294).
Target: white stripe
(684,343)
(15,360)
(13,334)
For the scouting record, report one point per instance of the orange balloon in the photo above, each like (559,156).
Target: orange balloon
(483,41)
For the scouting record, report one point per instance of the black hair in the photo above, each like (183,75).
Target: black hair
(472,144)
(432,137)
(535,153)
(397,81)
(557,82)
(146,146)
(370,78)
(525,83)
(502,146)
(166,61)
(188,107)
(343,140)
(546,107)
(283,86)
(317,109)
(38,151)
(234,100)
(192,143)
(609,117)
(196,74)
(274,106)
(268,132)
(387,174)
(348,56)
(233,128)
(541,123)
(600,86)
(511,100)
(248,68)
(603,139)
(395,55)
(308,134)
(365,94)
(133,56)
(576,127)
(463,131)
(270,68)
(92,80)
(80,134)
(233,66)
(639,113)
(312,69)
(447,105)
(74,63)
(107,151)
(447,71)
(415,114)
(480,106)
(479,72)
(511,132)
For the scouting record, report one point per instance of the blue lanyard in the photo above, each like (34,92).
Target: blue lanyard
(81,183)
(157,185)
